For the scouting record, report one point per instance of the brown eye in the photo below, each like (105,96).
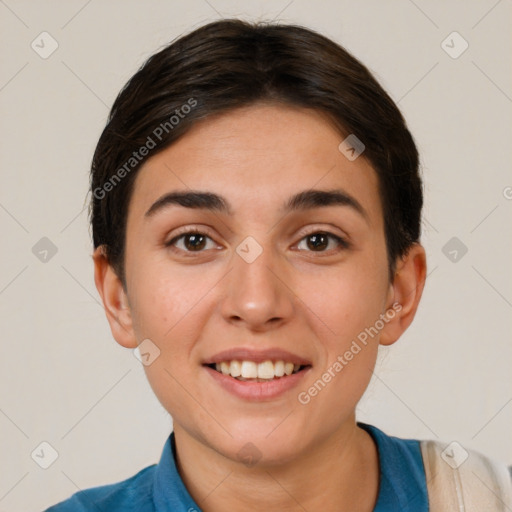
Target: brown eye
(193,241)
(319,241)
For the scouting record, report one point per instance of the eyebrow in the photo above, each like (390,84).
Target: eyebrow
(304,200)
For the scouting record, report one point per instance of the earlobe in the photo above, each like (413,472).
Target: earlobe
(405,291)
(114,300)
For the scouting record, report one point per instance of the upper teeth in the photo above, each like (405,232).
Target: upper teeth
(252,370)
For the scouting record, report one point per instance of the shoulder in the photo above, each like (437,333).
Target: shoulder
(402,478)
(446,475)
(398,453)
(134,493)
(459,476)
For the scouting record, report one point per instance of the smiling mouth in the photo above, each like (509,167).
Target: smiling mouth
(257,372)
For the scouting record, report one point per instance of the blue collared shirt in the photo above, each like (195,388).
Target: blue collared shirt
(160,488)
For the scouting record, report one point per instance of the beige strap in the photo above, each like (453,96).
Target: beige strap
(461,480)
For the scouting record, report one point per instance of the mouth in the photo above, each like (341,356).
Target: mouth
(257,375)
(252,371)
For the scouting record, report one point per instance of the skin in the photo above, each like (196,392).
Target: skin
(312,302)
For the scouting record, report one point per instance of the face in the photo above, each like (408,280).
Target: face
(263,280)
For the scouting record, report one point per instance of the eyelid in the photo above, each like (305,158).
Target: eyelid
(190,229)
(342,244)
(331,231)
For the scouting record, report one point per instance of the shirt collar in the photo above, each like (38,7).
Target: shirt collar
(402,483)
(402,479)
(169,491)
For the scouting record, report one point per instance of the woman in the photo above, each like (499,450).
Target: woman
(256,207)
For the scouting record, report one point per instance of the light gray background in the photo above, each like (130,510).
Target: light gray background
(64,380)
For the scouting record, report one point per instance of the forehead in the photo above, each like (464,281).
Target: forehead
(257,157)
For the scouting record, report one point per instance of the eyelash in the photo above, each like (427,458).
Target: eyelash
(344,244)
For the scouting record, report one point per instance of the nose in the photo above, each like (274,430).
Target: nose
(257,295)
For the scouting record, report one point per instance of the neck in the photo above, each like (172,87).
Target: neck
(340,473)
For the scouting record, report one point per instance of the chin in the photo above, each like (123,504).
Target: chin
(258,444)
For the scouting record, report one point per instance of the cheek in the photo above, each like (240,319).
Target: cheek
(169,312)
(353,305)
(160,300)
(171,304)
(346,300)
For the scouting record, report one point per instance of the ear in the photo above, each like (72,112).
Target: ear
(114,300)
(405,293)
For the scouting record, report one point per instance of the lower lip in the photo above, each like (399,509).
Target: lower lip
(257,391)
